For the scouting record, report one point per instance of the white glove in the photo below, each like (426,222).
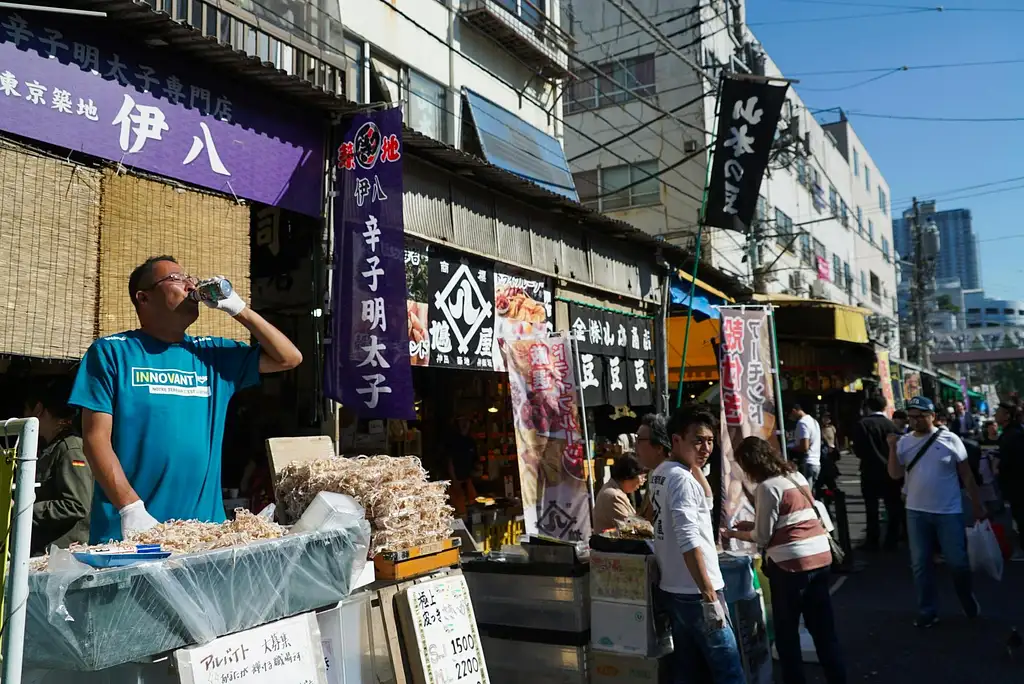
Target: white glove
(135,518)
(714,615)
(233,305)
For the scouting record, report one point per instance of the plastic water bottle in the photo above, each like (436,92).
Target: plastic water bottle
(212,290)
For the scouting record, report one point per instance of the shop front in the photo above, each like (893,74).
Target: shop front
(113,150)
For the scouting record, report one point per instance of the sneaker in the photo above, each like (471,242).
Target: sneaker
(926,621)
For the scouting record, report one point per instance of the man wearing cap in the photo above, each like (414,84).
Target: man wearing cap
(934,462)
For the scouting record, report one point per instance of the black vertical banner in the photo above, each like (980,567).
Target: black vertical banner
(747,121)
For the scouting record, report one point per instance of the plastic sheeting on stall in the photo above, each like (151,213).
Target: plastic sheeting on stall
(84,619)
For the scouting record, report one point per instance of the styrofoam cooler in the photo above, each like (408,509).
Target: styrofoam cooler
(353,652)
(612,668)
(623,614)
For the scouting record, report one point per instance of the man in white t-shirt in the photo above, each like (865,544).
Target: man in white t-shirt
(691,585)
(806,444)
(934,462)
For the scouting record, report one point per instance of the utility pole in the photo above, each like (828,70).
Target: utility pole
(926,250)
(917,291)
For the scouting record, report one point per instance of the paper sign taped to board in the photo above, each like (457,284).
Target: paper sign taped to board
(447,644)
(285,651)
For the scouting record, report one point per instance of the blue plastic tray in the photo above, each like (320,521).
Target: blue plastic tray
(120,560)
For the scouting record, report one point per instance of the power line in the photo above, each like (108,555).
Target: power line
(940,8)
(917,67)
(848,17)
(858,84)
(938,119)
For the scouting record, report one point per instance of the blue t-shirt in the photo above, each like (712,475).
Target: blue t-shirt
(169,404)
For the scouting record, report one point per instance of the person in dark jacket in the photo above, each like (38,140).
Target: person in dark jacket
(871,446)
(962,423)
(1011,467)
(60,515)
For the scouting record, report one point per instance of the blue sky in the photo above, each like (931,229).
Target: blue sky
(926,159)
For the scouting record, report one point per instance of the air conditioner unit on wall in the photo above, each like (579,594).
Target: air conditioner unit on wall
(796,281)
(819,290)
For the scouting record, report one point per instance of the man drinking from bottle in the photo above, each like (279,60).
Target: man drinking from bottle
(154,401)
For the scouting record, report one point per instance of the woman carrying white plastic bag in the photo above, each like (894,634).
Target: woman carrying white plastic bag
(983,550)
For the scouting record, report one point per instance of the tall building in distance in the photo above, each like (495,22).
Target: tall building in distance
(958,253)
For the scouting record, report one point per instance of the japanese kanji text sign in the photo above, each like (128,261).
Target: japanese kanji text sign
(885,380)
(748,117)
(461,311)
(367,364)
(747,396)
(616,352)
(552,456)
(68,86)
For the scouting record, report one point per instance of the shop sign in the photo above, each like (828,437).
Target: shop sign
(62,85)
(367,367)
(461,311)
(748,118)
(552,458)
(885,380)
(417,286)
(445,634)
(283,651)
(748,400)
(615,356)
(522,308)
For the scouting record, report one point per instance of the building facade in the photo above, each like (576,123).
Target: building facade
(958,253)
(823,228)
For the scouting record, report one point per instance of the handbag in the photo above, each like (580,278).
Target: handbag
(838,555)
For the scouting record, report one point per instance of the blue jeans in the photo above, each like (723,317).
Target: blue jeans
(804,593)
(701,654)
(923,530)
(811,473)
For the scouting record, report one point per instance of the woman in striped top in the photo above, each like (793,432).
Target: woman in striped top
(798,556)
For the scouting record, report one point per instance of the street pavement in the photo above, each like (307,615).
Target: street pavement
(875,612)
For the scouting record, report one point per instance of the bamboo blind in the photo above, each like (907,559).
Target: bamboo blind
(49,234)
(140,218)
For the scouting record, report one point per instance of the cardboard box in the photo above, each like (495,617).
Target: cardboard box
(353,654)
(622,577)
(628,628)
(610,668)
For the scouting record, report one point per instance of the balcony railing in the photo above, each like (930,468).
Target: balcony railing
(523,28)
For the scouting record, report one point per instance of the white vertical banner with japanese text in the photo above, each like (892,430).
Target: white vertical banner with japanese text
(748,403)
(549,439)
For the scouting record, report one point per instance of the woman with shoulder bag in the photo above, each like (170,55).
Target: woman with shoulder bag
(799,555)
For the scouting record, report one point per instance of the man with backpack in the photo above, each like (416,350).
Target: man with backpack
(934,462)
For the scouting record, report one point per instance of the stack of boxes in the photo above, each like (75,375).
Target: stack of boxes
(629,639)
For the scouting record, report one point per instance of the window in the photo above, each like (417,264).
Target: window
(860,220)
(805,249)
(833,200)
(863,283)
(761,215)
(1009,312)
(883,201)
(426,108)
(783,229)
(876,289)
(992,311)
(844,213)
(867,178)
(530,13)
(974,311)
(837,273)
(386,84)
(819,250)
(624,79)
(871,231)
(885,249)
(354,70)
(619,187)
(847,278)
(801,171)
(856,162)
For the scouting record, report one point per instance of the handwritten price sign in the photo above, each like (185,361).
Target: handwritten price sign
(442,620)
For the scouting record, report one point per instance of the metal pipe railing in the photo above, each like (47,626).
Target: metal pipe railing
(27,430)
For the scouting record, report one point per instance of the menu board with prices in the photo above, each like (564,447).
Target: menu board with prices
(285,651)
(442,640)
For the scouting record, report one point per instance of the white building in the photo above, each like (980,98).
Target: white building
(824,227)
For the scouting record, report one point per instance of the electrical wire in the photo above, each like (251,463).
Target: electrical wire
(917,67)
(848,17)
(937,119)
(939,8)
(858,84)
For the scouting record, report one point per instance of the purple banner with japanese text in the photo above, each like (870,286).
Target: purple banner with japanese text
(64,83)
(748,403)
(367,368)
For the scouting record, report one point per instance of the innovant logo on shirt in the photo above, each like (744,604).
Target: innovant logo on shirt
(177,382)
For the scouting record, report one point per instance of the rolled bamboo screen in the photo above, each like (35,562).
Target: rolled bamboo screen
(141,218)
(49,236)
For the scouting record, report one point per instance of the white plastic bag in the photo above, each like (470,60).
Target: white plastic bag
(983,550)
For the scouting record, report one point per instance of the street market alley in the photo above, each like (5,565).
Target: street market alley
(875,611)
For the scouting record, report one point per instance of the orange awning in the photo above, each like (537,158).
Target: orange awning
(701,363)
